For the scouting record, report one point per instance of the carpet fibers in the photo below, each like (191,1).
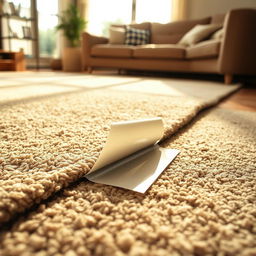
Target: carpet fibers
(52,129)
(203,204)
(51,135)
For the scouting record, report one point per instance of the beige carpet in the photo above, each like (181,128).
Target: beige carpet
(53,125)
(203,204)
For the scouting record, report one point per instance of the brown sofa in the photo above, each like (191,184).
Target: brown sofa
(234,53)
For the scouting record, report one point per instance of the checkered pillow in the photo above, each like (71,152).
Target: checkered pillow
(136,36)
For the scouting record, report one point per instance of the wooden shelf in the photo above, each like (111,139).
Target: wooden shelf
(17,38)
(12,61)
(11,22)
(6,61)
(9,16)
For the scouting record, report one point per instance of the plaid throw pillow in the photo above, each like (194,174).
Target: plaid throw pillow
(136,36)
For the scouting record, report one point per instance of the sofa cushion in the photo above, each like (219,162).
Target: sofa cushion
(198,33)
(135,36)
(112,50)
(159,51)
(206,49)
(116,35)
(218,34)
(171,33)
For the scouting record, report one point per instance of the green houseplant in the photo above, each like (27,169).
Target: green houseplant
(72,25)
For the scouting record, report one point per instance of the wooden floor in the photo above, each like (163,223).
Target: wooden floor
(244,99)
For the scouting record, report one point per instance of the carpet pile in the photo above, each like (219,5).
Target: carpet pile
(51,134)
(203,204)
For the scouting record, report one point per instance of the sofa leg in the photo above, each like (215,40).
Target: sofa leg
(89,69)
(228,78)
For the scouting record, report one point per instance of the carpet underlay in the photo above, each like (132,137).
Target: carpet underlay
(51,133)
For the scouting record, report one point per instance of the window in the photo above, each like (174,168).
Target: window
(102,13)
(47,21)
(153,11)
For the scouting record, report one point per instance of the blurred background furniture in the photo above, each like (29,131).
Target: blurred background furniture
(233,53)
(12,61)
(19,29)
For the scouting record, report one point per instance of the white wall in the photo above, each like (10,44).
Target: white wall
(204,8)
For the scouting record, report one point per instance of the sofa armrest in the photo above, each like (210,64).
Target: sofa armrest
(88,41)
(237,53)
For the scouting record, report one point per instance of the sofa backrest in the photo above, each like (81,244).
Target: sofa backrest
(218,19)
(171,33)
(144,25)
